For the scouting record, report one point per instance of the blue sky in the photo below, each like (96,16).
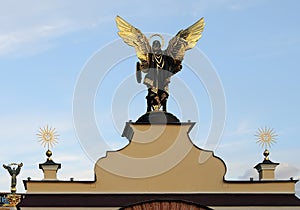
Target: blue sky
(44,47)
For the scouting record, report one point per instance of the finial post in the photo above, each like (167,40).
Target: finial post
(266,169)
(48,137)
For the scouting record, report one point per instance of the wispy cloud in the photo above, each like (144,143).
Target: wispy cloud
(242,128)
(199,7)
(32,26)
(21,39)
(237,5)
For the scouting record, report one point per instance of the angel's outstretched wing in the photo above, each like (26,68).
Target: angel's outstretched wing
(133,37)
(185,40)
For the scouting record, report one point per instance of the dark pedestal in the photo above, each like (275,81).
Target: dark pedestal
(158,117)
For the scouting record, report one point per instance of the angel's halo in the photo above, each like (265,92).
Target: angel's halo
(160,36)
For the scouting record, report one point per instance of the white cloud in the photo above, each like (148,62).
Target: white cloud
(298,189)
(237,5)
(32,26)
(24,38)
(201,6)
(249,173)
(286,171)
(243,128)
(69,158)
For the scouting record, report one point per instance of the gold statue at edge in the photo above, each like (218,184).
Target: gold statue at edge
(159,65)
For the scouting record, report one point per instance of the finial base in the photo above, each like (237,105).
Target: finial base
(158,117)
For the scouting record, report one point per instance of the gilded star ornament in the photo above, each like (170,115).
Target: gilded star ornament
(266,137)
(47,136)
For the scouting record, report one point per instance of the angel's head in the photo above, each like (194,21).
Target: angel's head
(156,46)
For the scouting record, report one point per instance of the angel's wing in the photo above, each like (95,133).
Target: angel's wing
(133,37)
(185,40)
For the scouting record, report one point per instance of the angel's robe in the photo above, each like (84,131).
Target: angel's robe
(161,68)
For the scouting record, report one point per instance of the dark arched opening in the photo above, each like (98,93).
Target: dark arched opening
(166,205)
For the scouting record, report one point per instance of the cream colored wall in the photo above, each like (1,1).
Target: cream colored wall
(165,161)
(264,187)
(50,174)
(161,158)
(267,174)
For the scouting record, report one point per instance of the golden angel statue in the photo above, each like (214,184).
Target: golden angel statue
(159,65)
